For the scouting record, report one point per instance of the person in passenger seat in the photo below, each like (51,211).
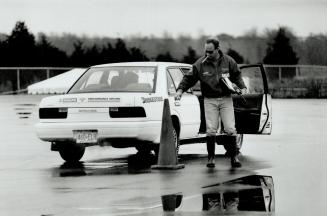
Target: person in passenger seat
(116,81)
(123,80)
(130,77)
(218,103)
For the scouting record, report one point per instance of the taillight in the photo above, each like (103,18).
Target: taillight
(127,112)
(53,113)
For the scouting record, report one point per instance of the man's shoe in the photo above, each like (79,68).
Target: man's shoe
(235,162)
(211,163)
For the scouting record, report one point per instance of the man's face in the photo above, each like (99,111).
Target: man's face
(210,51)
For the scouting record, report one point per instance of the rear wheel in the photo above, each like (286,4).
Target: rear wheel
(176,140)
(71,152)
(144,149)
(239,142)
(176,143)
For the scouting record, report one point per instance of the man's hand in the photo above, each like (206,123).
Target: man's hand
(178,95)
(244,90)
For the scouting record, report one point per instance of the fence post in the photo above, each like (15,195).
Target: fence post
(18,79)
(279,73)
(48,73)
(297,71)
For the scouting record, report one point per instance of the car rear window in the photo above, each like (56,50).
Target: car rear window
(116,79)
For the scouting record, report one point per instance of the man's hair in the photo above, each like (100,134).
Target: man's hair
(214,41)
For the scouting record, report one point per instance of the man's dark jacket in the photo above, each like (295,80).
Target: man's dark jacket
(209,73)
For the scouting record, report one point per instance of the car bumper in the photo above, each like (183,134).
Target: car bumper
(147,131)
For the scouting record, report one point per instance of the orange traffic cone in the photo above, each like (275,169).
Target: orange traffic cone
(167,158)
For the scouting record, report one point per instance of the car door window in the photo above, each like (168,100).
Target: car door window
(253,80)
(186,70)
(170,84)
(176,75)
(197,86)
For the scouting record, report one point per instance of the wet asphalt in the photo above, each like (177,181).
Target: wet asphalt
(109,181)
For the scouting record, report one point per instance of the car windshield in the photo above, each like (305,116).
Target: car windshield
(116,79)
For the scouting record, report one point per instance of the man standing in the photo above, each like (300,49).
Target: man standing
(218,103)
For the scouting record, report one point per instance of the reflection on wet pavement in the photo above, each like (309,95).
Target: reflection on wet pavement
(141,163)
(24,110)
(253,193)
(133,164)
(250,193)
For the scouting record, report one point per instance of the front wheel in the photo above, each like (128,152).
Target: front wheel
(239,143)
(71,152)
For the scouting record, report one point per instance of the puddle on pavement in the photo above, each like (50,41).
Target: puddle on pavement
(133,164)
(137,164)
(254,193)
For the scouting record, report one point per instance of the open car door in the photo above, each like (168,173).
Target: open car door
(254,114)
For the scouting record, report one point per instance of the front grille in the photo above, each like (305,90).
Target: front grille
(53,113)
(127,112)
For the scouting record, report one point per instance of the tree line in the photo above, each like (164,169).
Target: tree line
(22,49)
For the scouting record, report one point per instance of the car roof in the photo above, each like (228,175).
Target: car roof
(147,63)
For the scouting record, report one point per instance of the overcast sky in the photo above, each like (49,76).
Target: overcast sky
(120,18)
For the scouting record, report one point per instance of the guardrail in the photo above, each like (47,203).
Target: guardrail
(16,79)
(281,72)
(297,81)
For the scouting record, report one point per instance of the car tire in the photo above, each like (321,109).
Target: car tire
(239,142)
(176,142)
(143,149)
(71,152)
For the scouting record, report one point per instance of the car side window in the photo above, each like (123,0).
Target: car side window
(186,70)
(177,75)
(253,80)
(170,84)
(196,87)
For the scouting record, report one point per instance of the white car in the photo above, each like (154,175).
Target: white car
(121,105)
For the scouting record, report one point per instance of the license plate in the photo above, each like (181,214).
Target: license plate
(86,136)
